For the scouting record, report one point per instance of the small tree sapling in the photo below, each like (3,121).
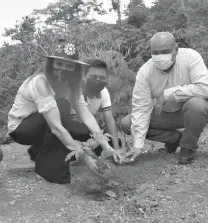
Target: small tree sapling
(102,139)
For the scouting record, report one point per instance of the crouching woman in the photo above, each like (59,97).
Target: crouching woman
(40,115)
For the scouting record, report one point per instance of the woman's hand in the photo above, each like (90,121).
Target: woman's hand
(76,150)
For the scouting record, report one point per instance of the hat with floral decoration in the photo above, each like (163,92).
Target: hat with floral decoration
(65,50)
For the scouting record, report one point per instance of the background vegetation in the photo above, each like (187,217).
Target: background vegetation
(124,45)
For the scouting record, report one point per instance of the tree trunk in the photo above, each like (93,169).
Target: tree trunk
(117,8)
(119,11)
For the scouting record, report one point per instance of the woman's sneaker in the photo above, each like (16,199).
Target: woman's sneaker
(32,153)
(66,179)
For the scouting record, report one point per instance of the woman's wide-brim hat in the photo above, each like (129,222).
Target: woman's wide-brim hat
(67,59)
(65,50)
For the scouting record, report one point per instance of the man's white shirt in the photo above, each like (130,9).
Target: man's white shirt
(187,79)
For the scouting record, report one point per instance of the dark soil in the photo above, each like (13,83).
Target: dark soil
(155,189)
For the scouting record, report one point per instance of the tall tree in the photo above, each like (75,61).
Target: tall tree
(23,30)
(66,11)
(116,4)
(137,13)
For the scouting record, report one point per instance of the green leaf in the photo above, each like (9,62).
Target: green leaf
(104,139)
(88,150)
(108,135)
(92,143)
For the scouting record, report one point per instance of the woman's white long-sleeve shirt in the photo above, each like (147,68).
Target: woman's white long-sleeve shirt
(187,79)
(28,100)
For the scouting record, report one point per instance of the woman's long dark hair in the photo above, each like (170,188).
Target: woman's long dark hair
(73,78)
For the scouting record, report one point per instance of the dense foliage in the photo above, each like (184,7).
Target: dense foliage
(124,45)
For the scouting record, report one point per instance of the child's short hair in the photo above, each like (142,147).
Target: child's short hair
(96,64)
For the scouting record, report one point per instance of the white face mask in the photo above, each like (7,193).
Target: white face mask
(163,61)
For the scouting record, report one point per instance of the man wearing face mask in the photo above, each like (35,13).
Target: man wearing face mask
(170,93)
(98,99)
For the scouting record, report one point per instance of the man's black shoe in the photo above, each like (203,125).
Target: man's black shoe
(186,156)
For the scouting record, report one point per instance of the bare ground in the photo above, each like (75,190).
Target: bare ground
(155,189)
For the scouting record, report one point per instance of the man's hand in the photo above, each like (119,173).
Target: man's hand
(160,102)
(132,154)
